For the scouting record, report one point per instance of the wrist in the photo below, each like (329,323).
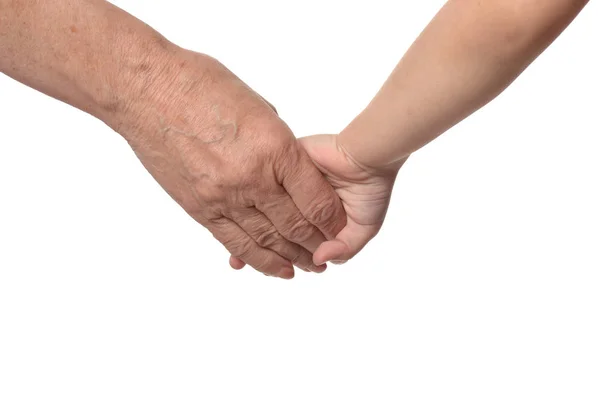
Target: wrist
(140,74)
(369,149)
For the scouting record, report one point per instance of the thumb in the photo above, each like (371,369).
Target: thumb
(313,144)
(350,241)
(324,151)
(317,139)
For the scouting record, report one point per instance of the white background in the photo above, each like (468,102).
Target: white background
(484,282)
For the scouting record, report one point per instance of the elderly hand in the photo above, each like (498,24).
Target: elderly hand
(225,156)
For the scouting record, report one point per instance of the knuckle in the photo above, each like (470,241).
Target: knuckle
(264,266)
(209,196)
(300,231)
(323,212)
(298,259)
(288,162)
(302,260)
(279,135)
(268,238)
(240,248)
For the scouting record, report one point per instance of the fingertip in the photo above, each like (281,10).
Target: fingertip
(321,254)
(286,273)
(236,263)
(319,268)
(329,251)
(339,262)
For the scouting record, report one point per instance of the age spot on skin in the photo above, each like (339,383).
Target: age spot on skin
(73,29)
(143,67)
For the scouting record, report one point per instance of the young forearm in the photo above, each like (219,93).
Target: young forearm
(468,54)
(87,53)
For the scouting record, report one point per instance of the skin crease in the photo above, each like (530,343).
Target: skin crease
(217,147)
(469,53)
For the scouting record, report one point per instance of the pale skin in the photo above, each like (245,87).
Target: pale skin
(469,53)
(217,147)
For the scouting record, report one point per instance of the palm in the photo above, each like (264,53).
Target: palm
(365,195)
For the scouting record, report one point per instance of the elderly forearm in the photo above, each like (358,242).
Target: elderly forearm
(87,53)
(469,53)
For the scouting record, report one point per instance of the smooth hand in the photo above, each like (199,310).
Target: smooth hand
(365,193)
(224,155)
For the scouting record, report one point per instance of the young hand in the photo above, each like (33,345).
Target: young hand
(365,193)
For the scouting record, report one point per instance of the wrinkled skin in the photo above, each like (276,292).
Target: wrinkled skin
(221,151)
(365,193)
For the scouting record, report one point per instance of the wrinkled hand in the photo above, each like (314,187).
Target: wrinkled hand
(365,193)
(225,156)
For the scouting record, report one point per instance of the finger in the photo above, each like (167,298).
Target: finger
(242,246)
(269,104)
(264,233)
(239,264)
(236,263)
(281,210)
(350,241)
(313,195)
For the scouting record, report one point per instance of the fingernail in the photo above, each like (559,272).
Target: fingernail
(338,262)
(320,268)
(286,274)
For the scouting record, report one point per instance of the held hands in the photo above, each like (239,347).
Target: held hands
(365,193)
(221,151)
(225,156)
